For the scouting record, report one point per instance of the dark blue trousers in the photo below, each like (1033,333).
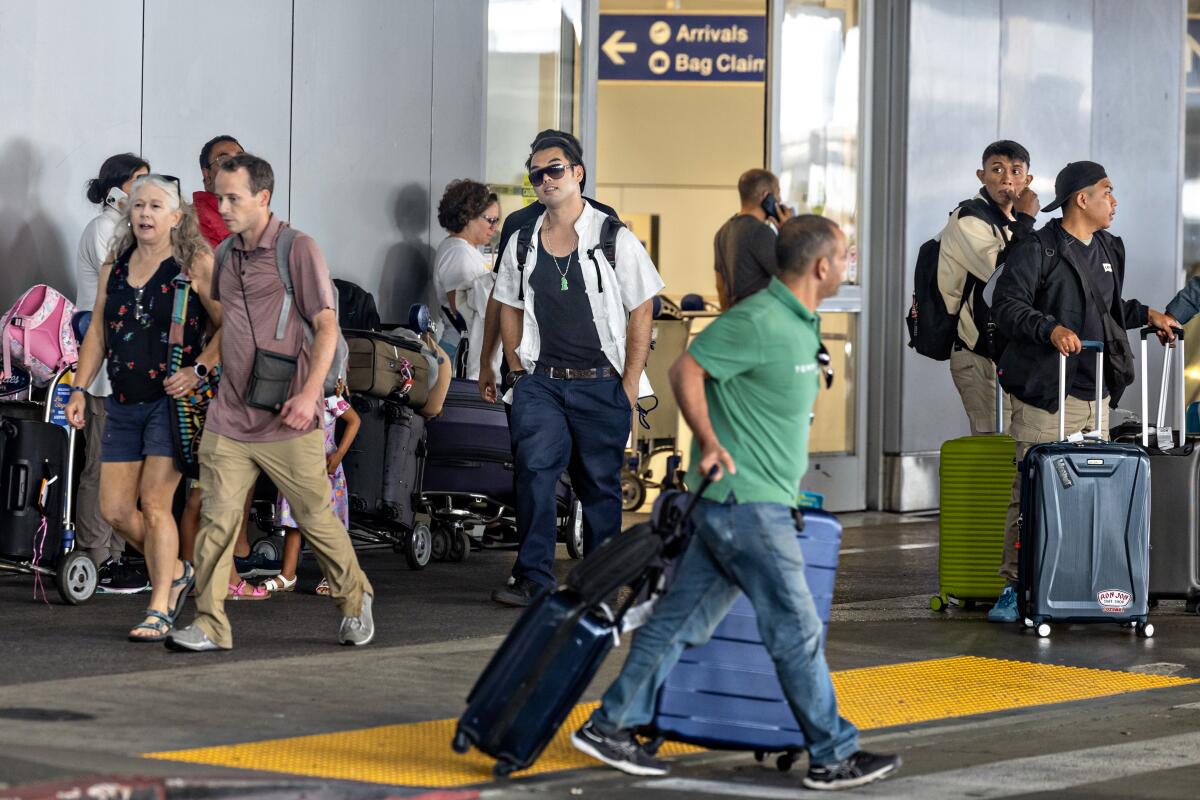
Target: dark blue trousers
(580,426)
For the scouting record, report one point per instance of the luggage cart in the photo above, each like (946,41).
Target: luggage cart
(659,432)
(455,517)
(73,572)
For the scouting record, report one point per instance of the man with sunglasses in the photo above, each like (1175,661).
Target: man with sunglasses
(746,387)
(513,223)
(575,324)
(215,151)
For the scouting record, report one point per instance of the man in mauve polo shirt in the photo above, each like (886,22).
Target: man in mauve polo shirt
(289,445)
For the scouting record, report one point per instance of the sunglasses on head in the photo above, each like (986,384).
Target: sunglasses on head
(169,179)
(554,172)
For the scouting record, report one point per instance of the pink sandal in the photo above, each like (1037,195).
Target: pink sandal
(247,591)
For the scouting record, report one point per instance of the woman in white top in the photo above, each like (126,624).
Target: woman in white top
(470,213)
(109,190)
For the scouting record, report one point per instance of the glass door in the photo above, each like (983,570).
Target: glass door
(815,144)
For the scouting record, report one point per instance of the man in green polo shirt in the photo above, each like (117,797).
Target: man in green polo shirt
(746,388)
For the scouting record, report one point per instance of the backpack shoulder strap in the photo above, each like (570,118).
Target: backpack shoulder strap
(609,230)
(283,263)
(524,245)
(221,255)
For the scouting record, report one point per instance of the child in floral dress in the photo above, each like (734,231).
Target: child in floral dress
(336,407)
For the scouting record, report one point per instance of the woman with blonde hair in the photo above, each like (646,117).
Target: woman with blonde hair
(157,251)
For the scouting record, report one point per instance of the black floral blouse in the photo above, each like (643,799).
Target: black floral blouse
(137,324)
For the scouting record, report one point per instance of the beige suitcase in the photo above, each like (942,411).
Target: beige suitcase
(393,365)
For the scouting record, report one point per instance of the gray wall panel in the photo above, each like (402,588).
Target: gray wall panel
(459,98)
(362,125)
(1136,134)
(70,98)
(953,111)
(1046,84)
(206,76)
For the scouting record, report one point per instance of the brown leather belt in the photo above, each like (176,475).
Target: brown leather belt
(566,374)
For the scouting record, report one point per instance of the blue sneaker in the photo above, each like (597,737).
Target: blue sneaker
(256,565)
(1005,609)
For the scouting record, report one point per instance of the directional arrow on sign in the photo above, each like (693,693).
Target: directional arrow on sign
(613,47)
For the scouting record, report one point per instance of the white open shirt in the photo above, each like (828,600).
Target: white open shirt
(634,281)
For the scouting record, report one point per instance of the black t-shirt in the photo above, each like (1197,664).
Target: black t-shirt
(1098,266)
(564,315)
(744,256)
(518,219)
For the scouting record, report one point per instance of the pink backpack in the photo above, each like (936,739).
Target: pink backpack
(37,335)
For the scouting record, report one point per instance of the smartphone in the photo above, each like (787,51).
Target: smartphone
(116,198)
(771,207)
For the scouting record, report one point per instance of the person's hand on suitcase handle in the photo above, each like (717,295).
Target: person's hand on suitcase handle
(76,409)
(1065,341)
(715,461)
(1166,326)
(487,383)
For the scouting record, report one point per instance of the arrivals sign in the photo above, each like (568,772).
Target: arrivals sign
(705,48)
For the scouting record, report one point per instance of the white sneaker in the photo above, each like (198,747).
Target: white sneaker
(358,630)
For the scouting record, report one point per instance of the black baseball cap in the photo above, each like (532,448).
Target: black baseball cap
(1075,177)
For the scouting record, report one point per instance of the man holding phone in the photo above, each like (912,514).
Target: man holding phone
(744,247)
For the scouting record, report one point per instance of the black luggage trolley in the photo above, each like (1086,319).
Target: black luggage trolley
(39,492)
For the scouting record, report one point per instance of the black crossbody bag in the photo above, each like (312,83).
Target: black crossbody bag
(1118,356)
(271,374)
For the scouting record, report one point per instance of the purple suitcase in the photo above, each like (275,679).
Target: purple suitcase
(469,450)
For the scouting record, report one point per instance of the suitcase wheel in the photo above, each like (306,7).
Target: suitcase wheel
(460,744)
(502,770)
(759,756)
(1145,630)
(1043,629)
(75,578)
(937,603)
(418,546)
(460,545)
(784,762)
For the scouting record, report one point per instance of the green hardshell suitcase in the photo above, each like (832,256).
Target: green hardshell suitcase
(977,475)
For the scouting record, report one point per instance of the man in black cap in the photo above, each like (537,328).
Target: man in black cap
(1057,289)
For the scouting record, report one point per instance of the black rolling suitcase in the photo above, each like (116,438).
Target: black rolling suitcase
(1085,526)
(364,460)
(404,453)
(1175,490)
(32,452)
(551,655)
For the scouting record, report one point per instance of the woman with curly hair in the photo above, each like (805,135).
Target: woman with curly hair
(470,213)
(158,240)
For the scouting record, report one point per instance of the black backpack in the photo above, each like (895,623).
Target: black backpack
(356,307)
(932,329)
(608,245)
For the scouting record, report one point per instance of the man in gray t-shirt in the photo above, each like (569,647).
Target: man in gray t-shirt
(744,247)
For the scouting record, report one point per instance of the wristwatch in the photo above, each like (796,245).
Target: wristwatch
(513,376)
(78,389)
(201,370)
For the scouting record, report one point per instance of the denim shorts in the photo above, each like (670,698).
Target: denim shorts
(136,430)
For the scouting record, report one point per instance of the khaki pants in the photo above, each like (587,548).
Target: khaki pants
(93,535)
(975,378)
(228,470)
(1031,425)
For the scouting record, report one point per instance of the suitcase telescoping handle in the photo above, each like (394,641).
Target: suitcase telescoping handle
(1180,400)
(1084,346)
(999,406)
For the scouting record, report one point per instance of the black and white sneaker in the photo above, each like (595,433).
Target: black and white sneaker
(622,751)
(121,577)
(857,770)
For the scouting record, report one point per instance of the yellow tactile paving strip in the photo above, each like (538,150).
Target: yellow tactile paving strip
(418,753)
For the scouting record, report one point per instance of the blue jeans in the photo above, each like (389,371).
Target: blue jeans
(580,426)
(752,548)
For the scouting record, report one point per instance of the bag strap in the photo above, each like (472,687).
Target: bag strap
(609,229)
(524,245)
(179,303)
(283,263)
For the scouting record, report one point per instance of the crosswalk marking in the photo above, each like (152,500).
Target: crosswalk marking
(1045,773)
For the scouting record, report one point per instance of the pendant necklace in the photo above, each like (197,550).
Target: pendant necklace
(561,272)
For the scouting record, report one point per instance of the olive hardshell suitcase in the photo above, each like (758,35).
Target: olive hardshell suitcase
(976,476)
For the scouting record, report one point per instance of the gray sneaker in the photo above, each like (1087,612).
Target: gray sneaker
(191,640)
(358,630)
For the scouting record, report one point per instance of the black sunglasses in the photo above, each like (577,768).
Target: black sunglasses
(170,179)
(825,363)
(554,172)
